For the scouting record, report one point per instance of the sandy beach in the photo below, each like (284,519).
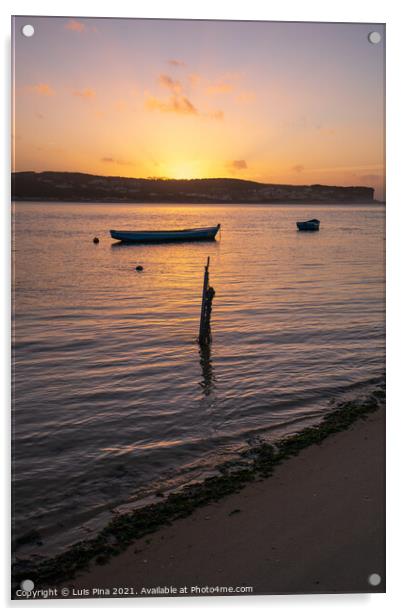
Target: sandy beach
(316,526)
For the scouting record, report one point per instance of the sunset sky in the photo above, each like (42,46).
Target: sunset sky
(272,102)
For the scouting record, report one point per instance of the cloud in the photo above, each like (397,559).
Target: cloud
(238,164)
(298,168)
(170,84)
(175,104)
(225,83)
(222,85)
(176,63)
(75,26)
(177,101)
(43,89)
(87,93)
(114,161)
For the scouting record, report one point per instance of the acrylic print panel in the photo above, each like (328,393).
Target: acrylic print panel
(198,308)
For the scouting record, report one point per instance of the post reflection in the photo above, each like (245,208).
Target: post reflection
(208,379)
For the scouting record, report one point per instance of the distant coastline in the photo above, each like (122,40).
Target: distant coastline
(82,187)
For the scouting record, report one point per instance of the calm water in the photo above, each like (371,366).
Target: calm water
(112,400)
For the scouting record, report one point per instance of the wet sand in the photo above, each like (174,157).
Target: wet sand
(317,525)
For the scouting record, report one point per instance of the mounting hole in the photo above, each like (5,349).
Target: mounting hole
(374,579)
(374,37)
(28,30)
(27,585)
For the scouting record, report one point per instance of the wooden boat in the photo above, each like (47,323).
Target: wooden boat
(177,235)
(309,225)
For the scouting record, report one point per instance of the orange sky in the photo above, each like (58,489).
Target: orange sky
(272,102)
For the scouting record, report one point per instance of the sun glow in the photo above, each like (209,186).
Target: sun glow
(184,170)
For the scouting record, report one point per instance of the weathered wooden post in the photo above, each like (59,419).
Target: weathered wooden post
(204,336)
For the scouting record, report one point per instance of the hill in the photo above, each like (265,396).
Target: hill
(66,186)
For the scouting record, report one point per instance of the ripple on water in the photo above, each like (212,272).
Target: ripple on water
(112,397)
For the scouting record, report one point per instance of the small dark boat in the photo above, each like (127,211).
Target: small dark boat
(155,237)
(309,225)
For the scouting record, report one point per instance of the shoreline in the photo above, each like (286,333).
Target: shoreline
(316,526)
(116,540)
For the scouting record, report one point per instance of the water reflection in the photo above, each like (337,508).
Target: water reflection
(118,244)
(208,377)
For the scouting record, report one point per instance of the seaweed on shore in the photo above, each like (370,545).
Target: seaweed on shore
(126,528)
